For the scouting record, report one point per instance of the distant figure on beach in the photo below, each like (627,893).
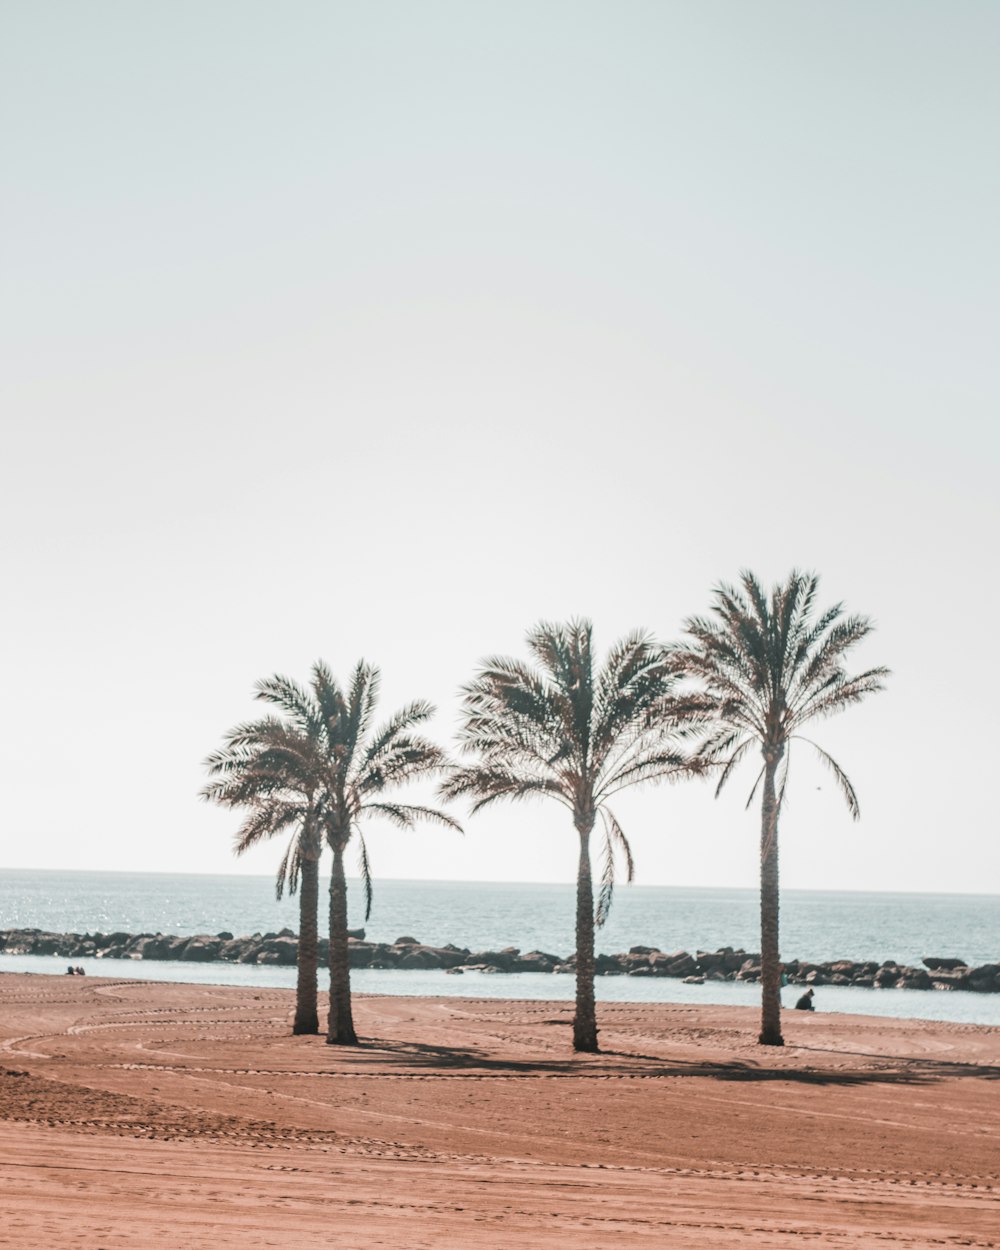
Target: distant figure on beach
(805,1003)
(71,971)
(80,972)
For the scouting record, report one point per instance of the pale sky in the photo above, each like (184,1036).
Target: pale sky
(387,329)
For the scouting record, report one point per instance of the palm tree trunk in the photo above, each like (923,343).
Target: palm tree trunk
(340,1027)
(770,954)
(585,1020)
(306,1012)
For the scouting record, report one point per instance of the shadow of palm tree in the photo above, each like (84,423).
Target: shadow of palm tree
(468,1062)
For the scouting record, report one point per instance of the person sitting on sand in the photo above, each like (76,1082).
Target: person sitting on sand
(805,1003)
(71,971)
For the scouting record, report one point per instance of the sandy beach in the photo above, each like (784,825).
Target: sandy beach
(150,1114)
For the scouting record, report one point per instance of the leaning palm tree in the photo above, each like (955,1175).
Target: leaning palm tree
(271,768)
(359,764)
(767,665)
(579,736)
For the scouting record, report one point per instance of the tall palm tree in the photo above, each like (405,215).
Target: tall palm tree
(579,736)
(767,665)
(271,768)
(359,764)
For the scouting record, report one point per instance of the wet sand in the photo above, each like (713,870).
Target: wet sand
(146,1114)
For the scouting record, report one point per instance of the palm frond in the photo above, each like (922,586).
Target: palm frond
(614,841)
(753,791)
(365,868)
(843,781)
(289,870)
(263,820)
(404,759)
(487,784)
(286,694)
(361,701)
(841,692)
(383,738)
(652,764)
(406,815)
(739,750)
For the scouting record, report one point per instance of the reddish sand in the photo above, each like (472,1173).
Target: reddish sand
(138,1114)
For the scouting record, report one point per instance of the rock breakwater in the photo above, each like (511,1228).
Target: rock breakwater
(725,964)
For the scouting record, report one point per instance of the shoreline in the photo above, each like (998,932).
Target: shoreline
(960,1007)
(181,1114)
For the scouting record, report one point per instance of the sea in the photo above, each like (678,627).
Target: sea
(815,925)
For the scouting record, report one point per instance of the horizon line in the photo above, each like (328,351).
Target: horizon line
(749,889)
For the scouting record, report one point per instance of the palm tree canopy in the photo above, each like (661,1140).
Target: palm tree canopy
(581,736)
(323,756)
(267,768)
(768,664)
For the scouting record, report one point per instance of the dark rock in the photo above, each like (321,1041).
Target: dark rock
(539,961)
(985,980)
(360,954)
(406,941)
(202,949)
(937,964)
(952,979)
(278,950)
(225,935)
(420,957)
(150,948)
(913,979)
(679,964)
(732,960)
(494,959)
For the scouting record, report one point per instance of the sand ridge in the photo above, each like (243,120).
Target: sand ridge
(139,1113)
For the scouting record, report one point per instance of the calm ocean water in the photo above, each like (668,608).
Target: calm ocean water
(816,925)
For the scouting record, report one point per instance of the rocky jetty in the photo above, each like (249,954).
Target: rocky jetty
(726,964)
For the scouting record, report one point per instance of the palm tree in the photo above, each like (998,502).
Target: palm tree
(271,767)
(579,737)
(359,764)
(768,665)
